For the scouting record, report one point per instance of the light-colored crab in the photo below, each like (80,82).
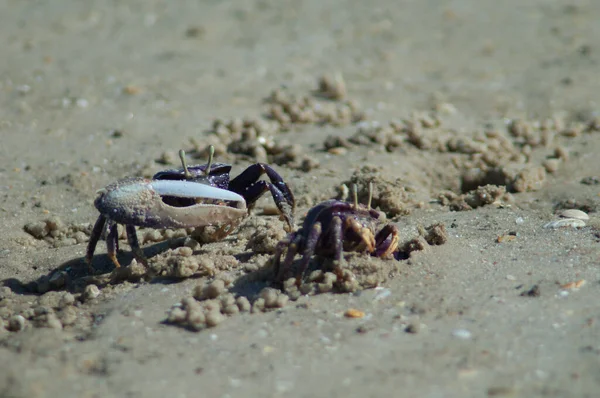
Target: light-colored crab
(191,197)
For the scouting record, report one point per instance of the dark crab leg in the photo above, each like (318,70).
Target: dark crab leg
(94,238)
(309,249)
(248,185)
(132,238)
(112,242)
(337,241)
(386,241)
(291,253)
(278,270)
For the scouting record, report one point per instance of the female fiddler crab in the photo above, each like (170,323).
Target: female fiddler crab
(332,227)
(194,196)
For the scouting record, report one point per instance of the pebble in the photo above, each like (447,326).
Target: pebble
(552,165)
(53,322)
(67,316)
(184,251)
(90,292)
(183,267)
(243,304)
(463,334)
(258,305)
(37,229)
(210,291)
(196,320)
(190,304)
(282,300)
(66,300)
(5,292)
(80,237)
(54,223)
(269,295)
(230,309)
(176,315)
(213,318)
(16,323)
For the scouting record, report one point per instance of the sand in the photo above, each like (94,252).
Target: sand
(481,117)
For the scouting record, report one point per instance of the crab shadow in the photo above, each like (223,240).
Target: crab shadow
(75,274)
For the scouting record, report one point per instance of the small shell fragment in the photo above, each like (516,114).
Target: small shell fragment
(574,213)
(337,151)
(506,238)
(354,313)
(565,223)
(573,285)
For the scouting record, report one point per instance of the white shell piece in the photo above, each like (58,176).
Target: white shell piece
(574,213)
(566,222)
(187,189)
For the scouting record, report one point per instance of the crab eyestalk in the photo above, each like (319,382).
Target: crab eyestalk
(186,172)
(211,153)
(355,195)
(370,194)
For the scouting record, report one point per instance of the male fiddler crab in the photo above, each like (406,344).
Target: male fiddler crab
(330,228)
(193,196)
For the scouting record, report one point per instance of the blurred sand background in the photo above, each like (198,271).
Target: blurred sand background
(94,91)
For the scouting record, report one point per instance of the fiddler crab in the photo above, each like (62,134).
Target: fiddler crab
(194,196)
(332,227)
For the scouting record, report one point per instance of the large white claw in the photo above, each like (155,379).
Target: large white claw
(186,189)
(139,201)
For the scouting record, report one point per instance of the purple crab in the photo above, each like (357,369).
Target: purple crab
(330,228)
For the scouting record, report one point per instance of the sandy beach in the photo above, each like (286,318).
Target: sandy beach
(476,123)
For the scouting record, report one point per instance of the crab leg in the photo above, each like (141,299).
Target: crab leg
(248,185)
(309,249)
(132,238)
(94,237)
(291,253)
(112,241)
(281,245)
(337,241)
(386,241)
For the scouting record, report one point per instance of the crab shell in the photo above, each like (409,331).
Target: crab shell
(140,201)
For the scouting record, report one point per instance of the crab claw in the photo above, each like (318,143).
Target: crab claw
(169,204)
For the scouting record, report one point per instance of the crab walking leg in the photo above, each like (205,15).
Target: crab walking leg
(309,249)
(291,252)
(248,185)
(255,191)
(94,237)
(337,242)
(278,270)
(251,175)
(112,241)
(386,241)
(292,249)
(132,238)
